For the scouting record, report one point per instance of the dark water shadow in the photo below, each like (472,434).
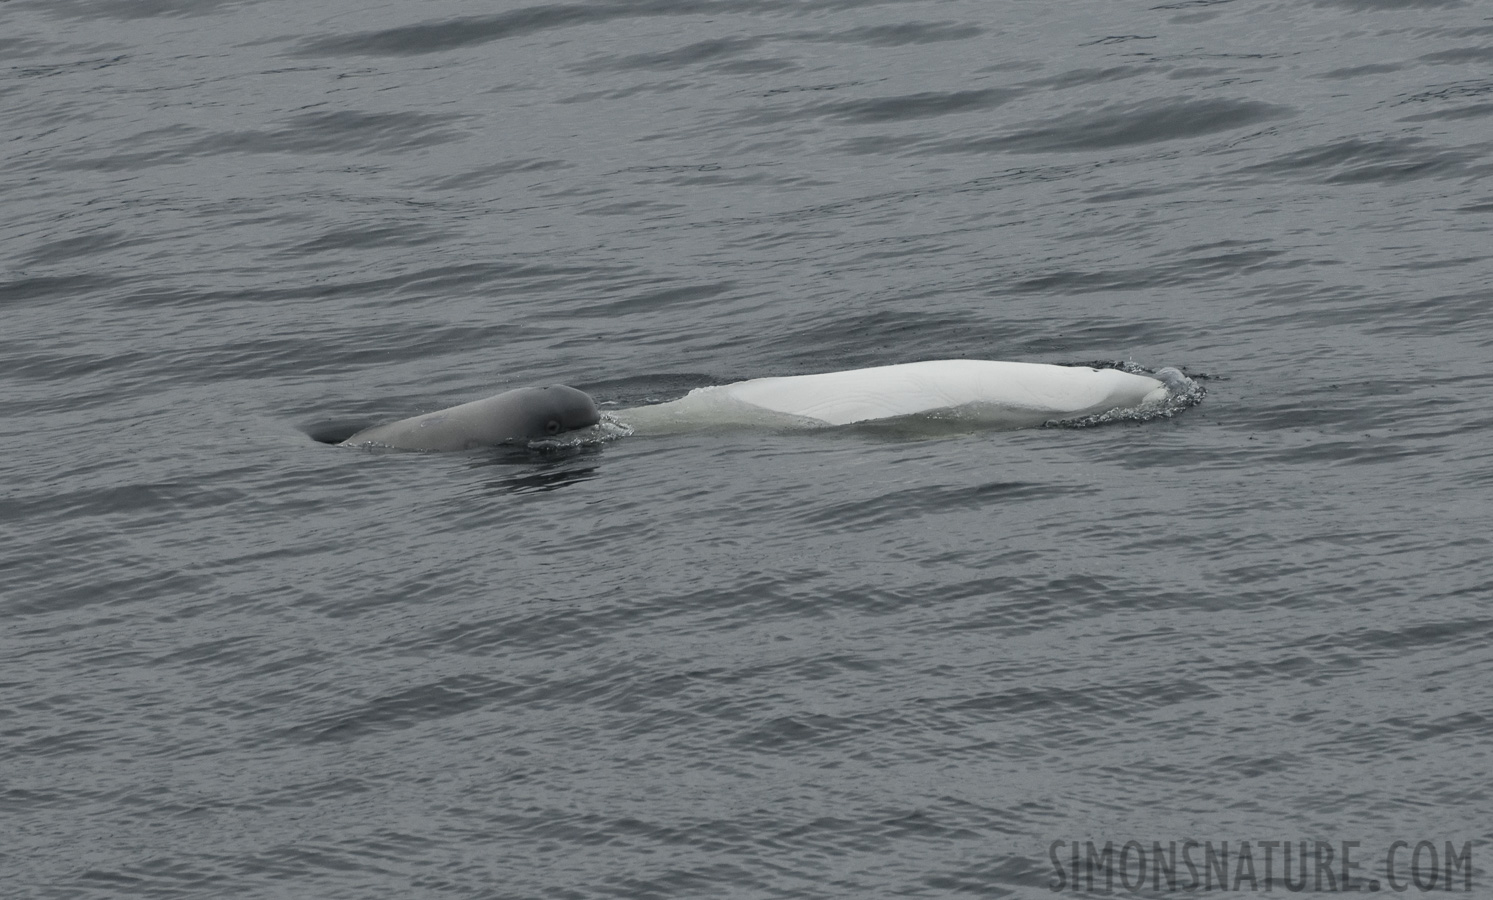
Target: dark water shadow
(642,390)
(333,431)
(538,470)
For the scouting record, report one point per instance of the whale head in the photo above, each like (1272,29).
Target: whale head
(1176,383)
(512,417)
(542,412)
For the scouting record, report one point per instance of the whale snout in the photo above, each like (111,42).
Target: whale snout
(1172,377)
(565,409)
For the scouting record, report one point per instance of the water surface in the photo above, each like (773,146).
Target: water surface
(237,662)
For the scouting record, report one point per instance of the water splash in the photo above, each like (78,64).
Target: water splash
(1182,392)
(609,429)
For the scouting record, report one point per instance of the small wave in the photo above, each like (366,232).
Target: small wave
(1180,395)
(609,429)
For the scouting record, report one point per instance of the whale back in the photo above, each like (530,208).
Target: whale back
(516,416)
(992,393)
(1025,390)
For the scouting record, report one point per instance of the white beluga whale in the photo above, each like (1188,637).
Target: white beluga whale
(972,392)
(978,392)
(512,417)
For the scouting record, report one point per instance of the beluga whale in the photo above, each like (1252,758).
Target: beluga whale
(513,417)
(979,392)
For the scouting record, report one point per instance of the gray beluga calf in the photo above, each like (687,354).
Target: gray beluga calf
(516,416)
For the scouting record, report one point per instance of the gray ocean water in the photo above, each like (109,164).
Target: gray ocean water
(238,662)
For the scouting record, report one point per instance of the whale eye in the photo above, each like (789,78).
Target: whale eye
(552,426)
